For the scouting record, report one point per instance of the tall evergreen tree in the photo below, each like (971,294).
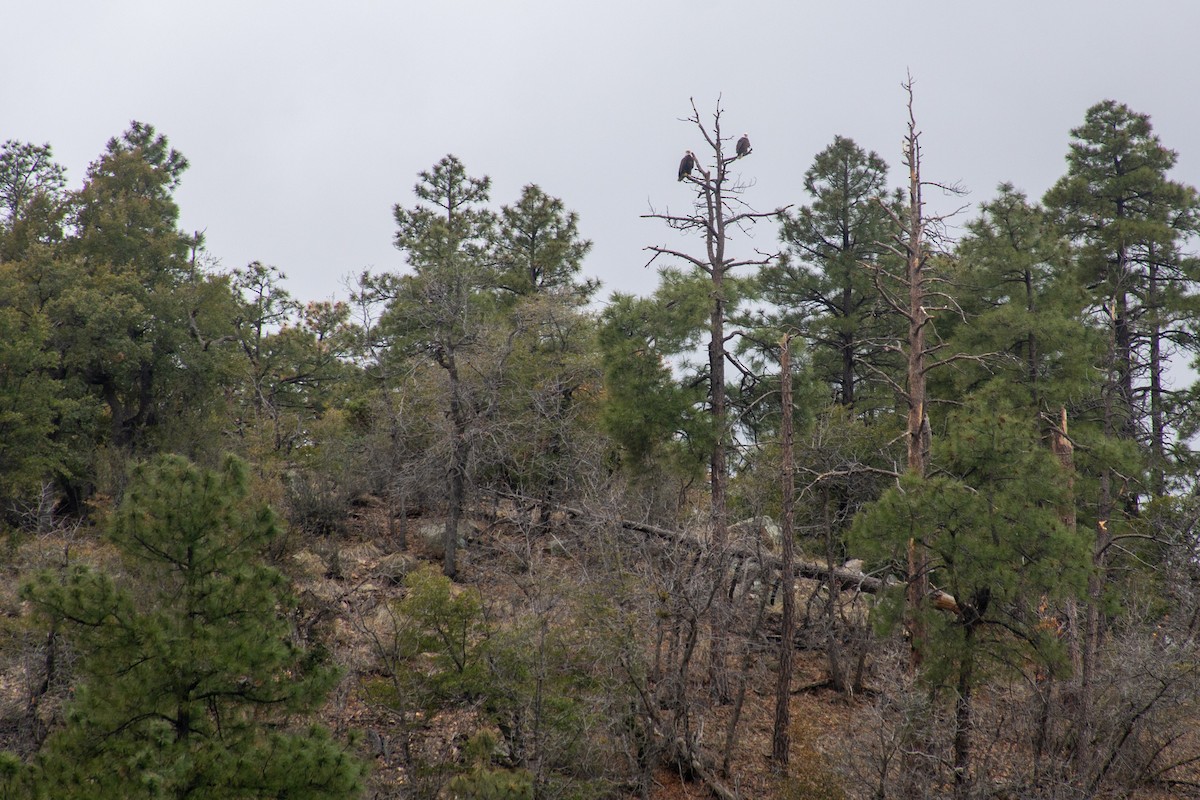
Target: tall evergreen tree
(139,325)
(190,680)
(822,288)
(538,254)
(32,397)
(1130,222)
(988,527)
(1025,310)
(440,311)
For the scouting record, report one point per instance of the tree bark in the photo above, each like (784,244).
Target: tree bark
(917,430)
(781,737)
(962,716)
(1157,366)
(457,469)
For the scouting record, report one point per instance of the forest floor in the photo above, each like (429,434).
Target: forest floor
(344,579)
(365,558)
(823,721)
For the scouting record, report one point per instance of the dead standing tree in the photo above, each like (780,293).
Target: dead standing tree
(912,293)
(717,211)
(780,736)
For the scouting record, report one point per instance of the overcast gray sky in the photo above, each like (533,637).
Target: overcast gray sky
(304,121)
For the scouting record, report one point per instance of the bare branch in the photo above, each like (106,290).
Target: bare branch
(658,251)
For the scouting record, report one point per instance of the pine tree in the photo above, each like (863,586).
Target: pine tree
(988,527)
(31,198)
(823,287)
(1129,222)
(440,312)
(652,417)
(33,399)
(538,249)
(190,683)
(138,323)
(538,447)
(1025,313)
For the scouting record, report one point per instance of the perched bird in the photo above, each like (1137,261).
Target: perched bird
(687,164)
(743,145)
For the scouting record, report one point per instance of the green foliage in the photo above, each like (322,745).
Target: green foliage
(1024,310)
(134,328)
(989,528)
(538,248)
(649,413)
(492,784)
(439,308)
(443,312)
(484,782)
(15,777)
(293,363)
(1129,224)
(842,459)
(825,288)
(324,475)
(188,672)
(31,199)
(546,697)
(535,674)
(447,624)
(31,400)
(545,432)
(1116,195)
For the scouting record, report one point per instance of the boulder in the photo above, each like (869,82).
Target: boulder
(761,531)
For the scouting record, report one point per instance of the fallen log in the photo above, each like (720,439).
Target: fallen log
(845,578)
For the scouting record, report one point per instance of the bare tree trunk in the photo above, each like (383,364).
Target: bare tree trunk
(1105,505)
(719,479)
(713,214)
(917,435)
(716,365)
(1157,365)
(911,245)
(458,471)
(849,357)
(1064,450)
(962,717)
(781,737)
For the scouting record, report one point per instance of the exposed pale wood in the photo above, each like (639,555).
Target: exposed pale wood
(844,577)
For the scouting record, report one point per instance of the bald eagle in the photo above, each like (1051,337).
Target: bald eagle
(743,145)
(687,164)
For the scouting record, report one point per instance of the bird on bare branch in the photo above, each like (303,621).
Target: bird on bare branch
(687,164)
